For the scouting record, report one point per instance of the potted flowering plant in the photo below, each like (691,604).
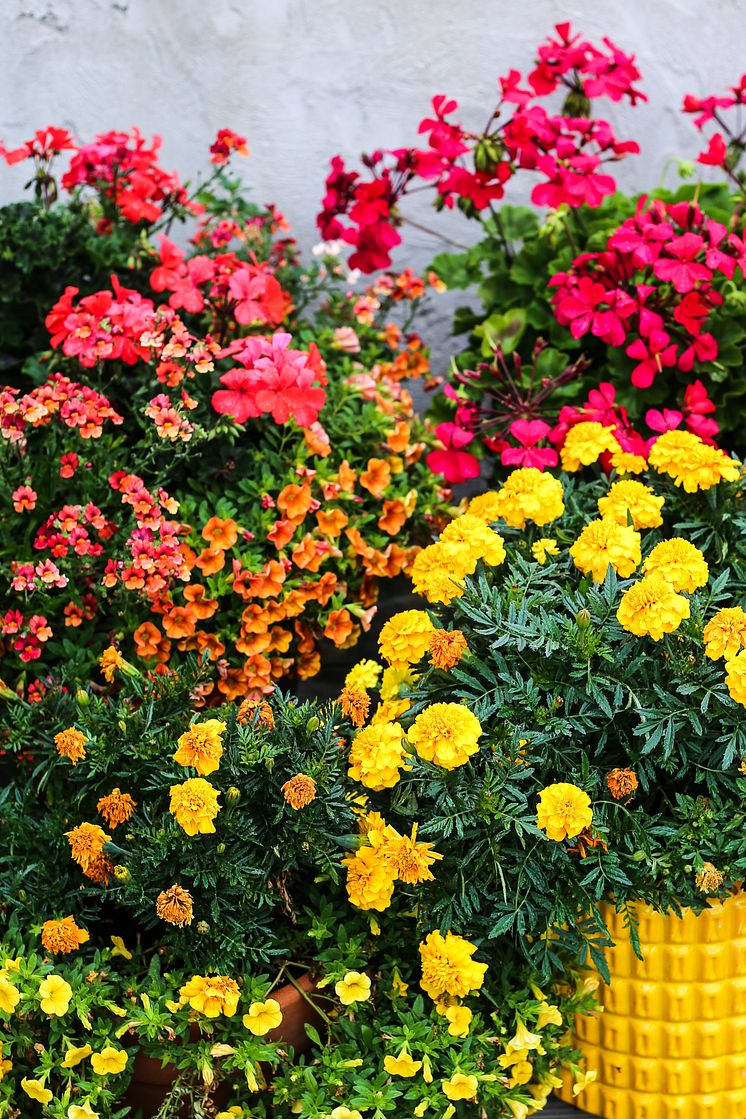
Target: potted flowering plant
(311,485)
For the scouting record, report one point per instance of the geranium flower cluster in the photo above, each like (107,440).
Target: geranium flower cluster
(652,289)
(726,146)
(272,379)
(471,170)
(105,326)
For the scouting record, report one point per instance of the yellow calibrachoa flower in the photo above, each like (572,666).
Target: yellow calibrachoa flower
(211,995)
(725,633)
(564,811)
(528,494)
(201,746)
(604,543)
(523,1039)
(652,607)
(370,879)
(521,1073)
(405,638)
(583,1080)
(682,565)
(459,1018)
(263,1017)
(365,674)
(460,1087)
(446,734)
(81,1111)
(75,1055)
(110,1061)
(36,1090)
(403,1065)
(54,995)
(548,1016)
(585,443)
(481,542)
(632,499)
(691,463)
(9,995)
(5,1065)
(543,548)
(438,571)
(376,756)
(195,805)
(343,1112)
(735,677)
(355,987)
(448,967)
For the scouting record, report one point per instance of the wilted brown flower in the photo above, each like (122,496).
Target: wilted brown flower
(709,878)
(175,905)
(246,711)
(622,783)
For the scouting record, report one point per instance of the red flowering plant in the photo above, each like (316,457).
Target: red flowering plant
(215,452)
(647,290)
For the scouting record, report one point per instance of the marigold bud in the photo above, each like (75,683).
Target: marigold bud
(583,618)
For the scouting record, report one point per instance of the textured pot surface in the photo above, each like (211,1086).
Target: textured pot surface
(671,1041)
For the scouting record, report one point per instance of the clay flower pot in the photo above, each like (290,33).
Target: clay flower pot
(671,1042)
(152,1082)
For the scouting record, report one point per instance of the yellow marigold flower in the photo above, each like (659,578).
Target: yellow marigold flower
(459,1019)
(109,1062)
(9,995)
(548,1016)
(87,842)
(460,1087)
(370,879)
(403,1065)
(632,499)
(652,607)
(355,705)
(438,571)
(709,879)
(585,443)
(377,755)
(265,717)
(564,810)
(622,783)
(478,538)
(363,675)
(263,1017)
(625,462)
(532,495)
(299,791)
(447,648)
(36,1090)
(201,746)
(486,506)
(446,734)
(175,905)
(211,995)
(75,1054)
(448,967)
(71,744)
(63,936)
(680,563)
(355,987)
(604,543)
(410,860)
(691,463)
(390,712)
(543,548)
(81,1111)
(195,805)
(54,995)
(111,660)
(116,808)
(405,637)
(395,678)
(735,677)
(725,633)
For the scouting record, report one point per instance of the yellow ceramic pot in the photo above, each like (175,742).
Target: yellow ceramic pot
(671,1041)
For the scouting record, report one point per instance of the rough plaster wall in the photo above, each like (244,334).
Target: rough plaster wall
(306,78)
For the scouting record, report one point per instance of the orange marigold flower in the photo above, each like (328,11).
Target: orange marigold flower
(100,870)
(295,501)
(709,879)
(175,905)
(355,704)
(220,534)
(377,477)
(116,808)
(622,783)
(63,936)
(447,648)
(201,746)
(339,627)
(299,791)
(70,744)
(331,521)
(264,715)
(87,842)
(180,622)
(111,660)
(210,560)
(150,643)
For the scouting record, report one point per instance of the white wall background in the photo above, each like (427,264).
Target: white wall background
(303,79)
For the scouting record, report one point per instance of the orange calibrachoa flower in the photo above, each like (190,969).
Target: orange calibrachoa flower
(210,561)
(394,515)
(299,791)
(398,440)
(264,715)
(180,622)
(346,477)
(71,744)
(201,606)
(355,705)
(339,627)
(175,905)
(63,936)
(295,501)
(331,521)
(377,477)
(150,643)
(116,808)
(220,534)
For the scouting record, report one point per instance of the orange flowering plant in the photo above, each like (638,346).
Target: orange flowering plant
(214,450)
